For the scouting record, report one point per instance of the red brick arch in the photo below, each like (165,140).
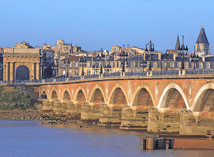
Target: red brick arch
(66,96)
(54,95)
(173,97)
(204,100)
(118,97)
(97,96)
(143,97)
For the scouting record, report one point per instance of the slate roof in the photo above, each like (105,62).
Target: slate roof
(202,38)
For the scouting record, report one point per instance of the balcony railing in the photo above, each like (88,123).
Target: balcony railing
(169,72)
(91,76)
(111,74)
(201,71)
(106,75)
(140,73)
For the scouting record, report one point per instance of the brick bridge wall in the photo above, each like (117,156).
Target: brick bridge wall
(179,93)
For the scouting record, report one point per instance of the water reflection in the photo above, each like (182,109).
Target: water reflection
(27,138)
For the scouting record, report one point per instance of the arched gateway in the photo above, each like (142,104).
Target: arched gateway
(22,73)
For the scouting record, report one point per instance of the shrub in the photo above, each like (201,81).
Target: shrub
(15,100)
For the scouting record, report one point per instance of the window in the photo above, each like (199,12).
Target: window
(208,65)
(186,65)
(133,64)
(172,64)
(88,64)
(119,64)
(201,65)
(155,64)
(192,65)
(115,64)
(179,64)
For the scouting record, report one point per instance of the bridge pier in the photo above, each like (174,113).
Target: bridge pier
(134,118)
(59,109)
(167,121)
(110,115)
(197,123)
(90,112)
(47,107)
(73,110)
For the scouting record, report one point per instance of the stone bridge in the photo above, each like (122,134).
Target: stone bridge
(181,104)
(168,104)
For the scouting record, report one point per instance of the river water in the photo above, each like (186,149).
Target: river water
(22,138)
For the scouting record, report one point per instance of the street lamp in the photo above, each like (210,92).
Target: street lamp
(151,49)
(101,69)
(124,60)
(182,54)
(194,58)
(82,64)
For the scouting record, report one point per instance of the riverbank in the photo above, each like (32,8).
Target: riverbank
(21,114)
(32,114)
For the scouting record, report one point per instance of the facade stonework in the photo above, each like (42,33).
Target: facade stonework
(21,64)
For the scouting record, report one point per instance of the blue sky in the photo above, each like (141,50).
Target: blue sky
(96,24)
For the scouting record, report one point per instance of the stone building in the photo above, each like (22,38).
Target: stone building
(22,63)
(66,48)
(69,66)
(202,46)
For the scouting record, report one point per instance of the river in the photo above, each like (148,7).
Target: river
(22,138)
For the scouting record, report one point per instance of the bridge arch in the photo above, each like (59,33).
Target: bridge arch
(143,97)
(80,95)
(174,95)
(54,95)
(118,96)
(43,95)
(204,99)
(97,95)
(66,96)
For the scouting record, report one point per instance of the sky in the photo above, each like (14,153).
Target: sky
(96,24)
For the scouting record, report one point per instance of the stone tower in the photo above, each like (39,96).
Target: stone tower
(202,46)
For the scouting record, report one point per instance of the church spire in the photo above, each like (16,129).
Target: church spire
(177,46)
(202,38)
